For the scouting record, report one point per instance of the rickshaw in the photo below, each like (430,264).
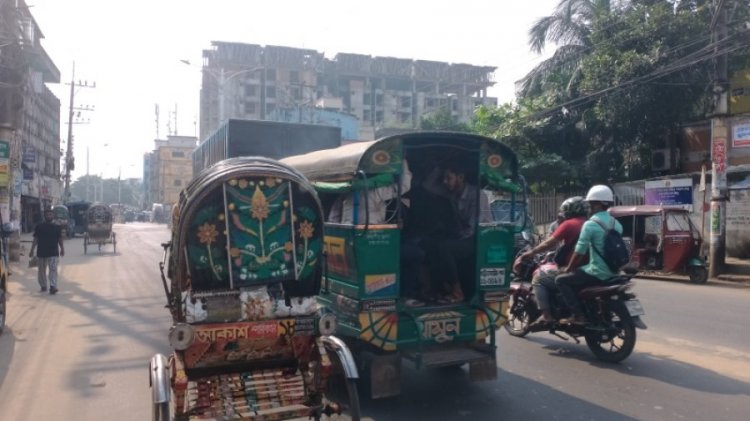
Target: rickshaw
(243,268)
(62,219)
(99,228)
(663,239)
(78,217)
(369,283)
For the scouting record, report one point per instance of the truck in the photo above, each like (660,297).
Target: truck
(270,139)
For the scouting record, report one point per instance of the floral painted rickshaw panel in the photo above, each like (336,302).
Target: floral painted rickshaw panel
(254,231)
(207,245)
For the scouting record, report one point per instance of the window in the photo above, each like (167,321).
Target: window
(271,92)
(250,107)
(367,115)
(251,90)
(296,93)
(178,154)
(379,117)
(379,99)
(178,183)
(367,99)
(270,108)
(405,101)
(270,74)
(294,76)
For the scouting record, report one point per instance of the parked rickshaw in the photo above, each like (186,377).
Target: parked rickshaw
(78,217)
(99,228)
(663,239)
(243,267)
(62,219)
(370,279)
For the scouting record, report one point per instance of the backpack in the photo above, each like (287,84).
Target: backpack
(615,253)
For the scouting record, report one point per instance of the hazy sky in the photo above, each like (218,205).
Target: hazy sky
(133,50)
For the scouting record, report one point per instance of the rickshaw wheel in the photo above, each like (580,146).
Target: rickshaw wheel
(698,274)
(85,244)
(161,411)
(343,391)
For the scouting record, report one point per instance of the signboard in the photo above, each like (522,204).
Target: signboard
(670,192)
(741,134)
(4,163)
(29,154)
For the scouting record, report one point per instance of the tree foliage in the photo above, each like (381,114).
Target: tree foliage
(93,188)
(625,75)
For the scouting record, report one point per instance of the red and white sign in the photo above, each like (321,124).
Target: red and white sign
(719,154)
(741,134)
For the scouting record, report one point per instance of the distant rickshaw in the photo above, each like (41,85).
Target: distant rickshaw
(244,265)
(99,228)
(78,217)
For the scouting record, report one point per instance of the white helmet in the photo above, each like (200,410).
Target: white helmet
(600,193)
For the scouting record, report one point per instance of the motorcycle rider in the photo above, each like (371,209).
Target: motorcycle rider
(599,199)
(573,214)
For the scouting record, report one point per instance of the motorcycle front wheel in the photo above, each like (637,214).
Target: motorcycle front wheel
(519,317)
(614,339)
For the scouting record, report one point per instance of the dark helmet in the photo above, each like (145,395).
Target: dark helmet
(573,206)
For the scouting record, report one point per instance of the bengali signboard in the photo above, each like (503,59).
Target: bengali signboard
(677,192)
(741,134)
(4,163)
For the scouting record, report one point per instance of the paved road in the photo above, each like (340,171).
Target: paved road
(83,354)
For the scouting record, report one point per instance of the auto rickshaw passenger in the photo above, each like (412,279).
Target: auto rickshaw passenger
(599,198)
(573,211)
(343,208)
(445,254)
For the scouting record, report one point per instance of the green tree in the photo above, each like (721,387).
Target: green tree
(442,119)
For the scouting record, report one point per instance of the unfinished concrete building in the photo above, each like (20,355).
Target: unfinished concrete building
(251,81)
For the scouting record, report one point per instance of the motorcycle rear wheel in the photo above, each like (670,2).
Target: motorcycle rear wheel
(519,317)
(618,341)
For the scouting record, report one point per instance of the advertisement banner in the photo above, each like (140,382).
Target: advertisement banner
(741,134)
(670,192)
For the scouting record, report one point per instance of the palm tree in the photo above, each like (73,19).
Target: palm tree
(570,27)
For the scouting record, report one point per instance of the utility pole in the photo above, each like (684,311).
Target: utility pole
(69,159)
(719,144)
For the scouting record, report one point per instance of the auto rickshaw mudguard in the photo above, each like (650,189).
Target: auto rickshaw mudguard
(696,261)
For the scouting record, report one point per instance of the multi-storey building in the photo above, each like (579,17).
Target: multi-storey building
(250,81)
(168,169)
(29,120)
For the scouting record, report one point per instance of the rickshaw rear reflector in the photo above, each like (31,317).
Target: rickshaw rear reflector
(181,336)
(327,324)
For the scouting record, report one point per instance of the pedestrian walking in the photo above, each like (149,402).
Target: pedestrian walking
(48,237)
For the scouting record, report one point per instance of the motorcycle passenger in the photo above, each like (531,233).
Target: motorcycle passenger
(599,199)
(573,214)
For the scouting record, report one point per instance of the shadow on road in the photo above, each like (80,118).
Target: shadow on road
(7,348)
(656,367)
(448,394)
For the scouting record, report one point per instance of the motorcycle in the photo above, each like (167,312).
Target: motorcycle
(612,311)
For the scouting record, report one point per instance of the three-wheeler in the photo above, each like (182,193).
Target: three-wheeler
(393,207)
(99,228)
(663,240)
(242,270)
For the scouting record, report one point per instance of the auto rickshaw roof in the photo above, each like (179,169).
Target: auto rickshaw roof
(644,210)
(343,162)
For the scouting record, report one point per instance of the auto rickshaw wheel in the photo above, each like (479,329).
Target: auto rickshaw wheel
(698,274)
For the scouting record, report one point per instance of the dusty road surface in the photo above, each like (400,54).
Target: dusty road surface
(83,354)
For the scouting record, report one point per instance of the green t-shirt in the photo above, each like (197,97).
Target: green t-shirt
(592,235)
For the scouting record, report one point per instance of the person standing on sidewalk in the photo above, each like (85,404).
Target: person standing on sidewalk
(48,237)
